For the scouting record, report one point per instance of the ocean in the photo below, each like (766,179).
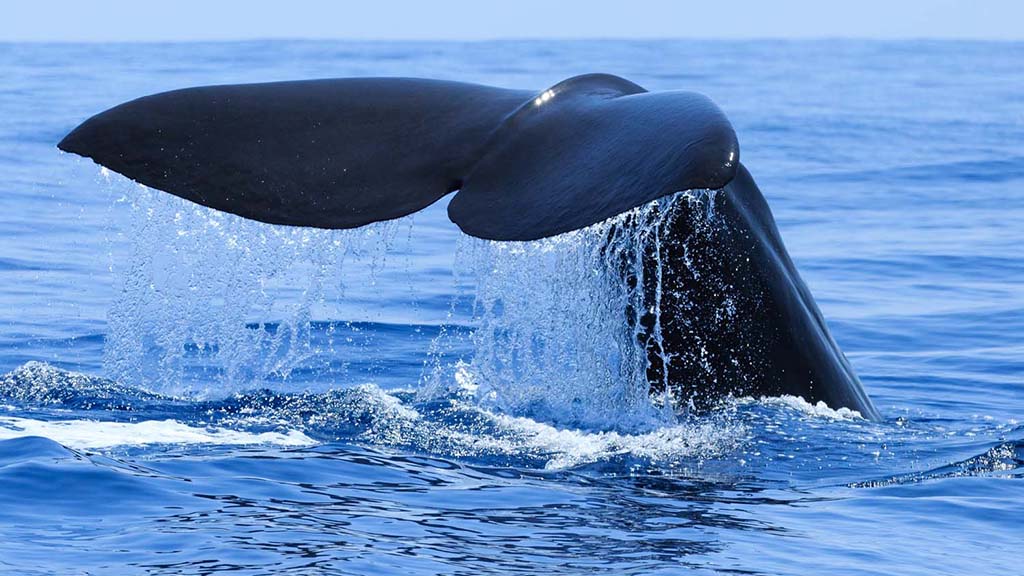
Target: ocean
(187,392)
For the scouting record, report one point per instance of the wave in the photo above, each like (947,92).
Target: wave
(88,412)
(786,438)
(1003,459)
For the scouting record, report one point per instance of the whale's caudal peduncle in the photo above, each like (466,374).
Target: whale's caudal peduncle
(342,153)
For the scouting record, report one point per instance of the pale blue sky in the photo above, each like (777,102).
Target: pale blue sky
(134,20)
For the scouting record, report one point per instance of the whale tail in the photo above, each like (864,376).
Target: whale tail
(342,153)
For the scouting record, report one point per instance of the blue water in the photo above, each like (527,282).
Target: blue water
(189,393)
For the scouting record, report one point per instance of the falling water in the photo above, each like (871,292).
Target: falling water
(562,330)
(203,288)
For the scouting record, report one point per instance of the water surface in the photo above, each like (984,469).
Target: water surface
(190,393)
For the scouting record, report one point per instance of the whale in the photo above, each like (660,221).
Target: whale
(730,315)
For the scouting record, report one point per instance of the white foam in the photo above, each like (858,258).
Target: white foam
(91,434)
(819,410)
(567,448)
(558,447)
(479,431)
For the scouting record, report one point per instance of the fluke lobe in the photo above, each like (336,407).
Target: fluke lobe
(342,153)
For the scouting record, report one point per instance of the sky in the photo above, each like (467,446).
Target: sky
(188,20)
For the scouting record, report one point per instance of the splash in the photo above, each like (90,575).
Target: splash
(199,287)
(565,325)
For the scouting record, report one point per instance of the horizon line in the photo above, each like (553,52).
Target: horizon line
(484,40)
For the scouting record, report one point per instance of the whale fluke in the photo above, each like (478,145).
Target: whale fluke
(323,153)
(341,153)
